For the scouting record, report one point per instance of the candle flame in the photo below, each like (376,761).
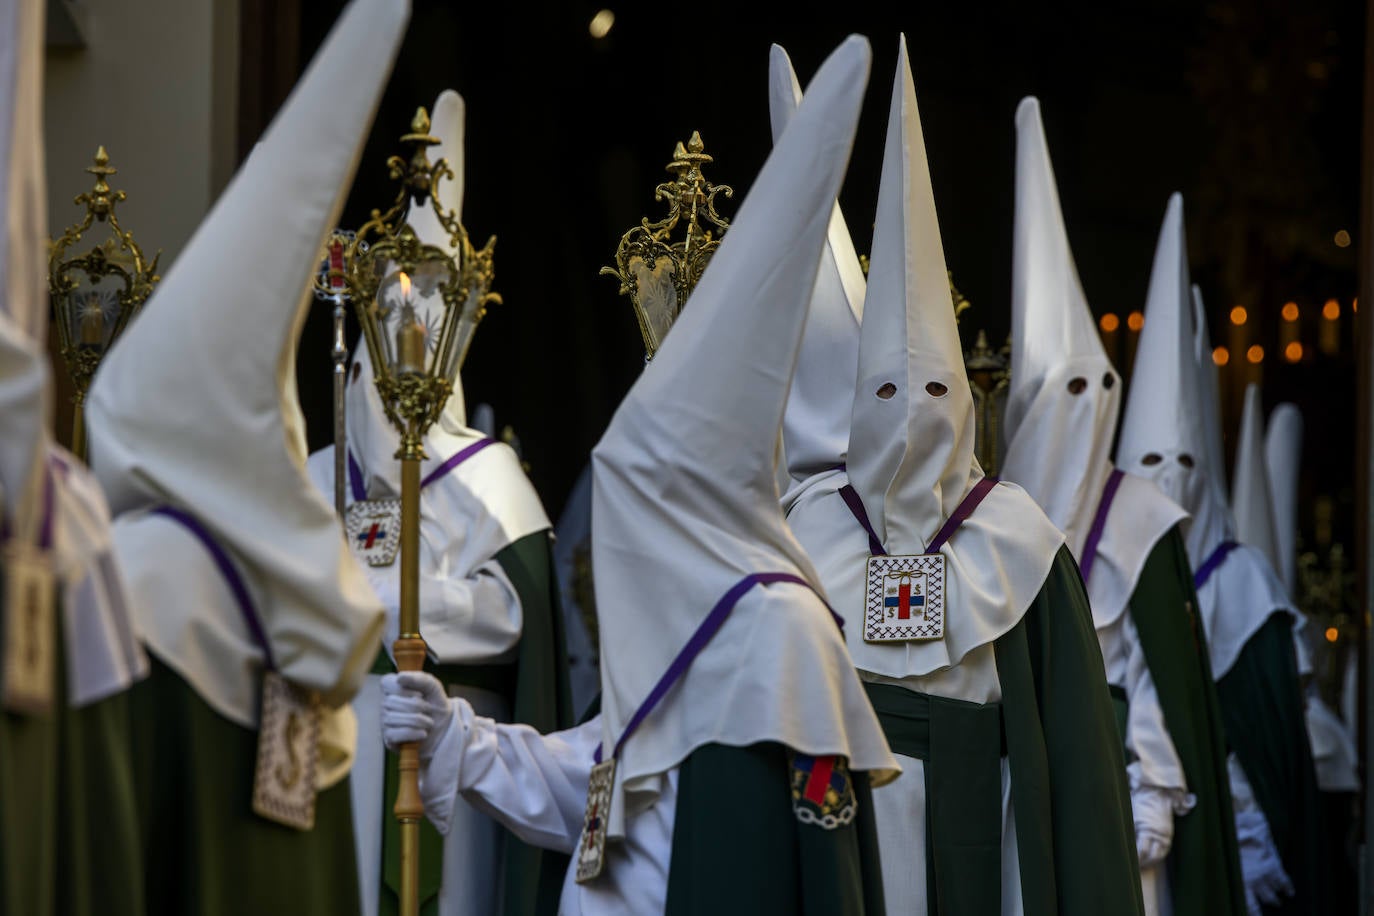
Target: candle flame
(405,285)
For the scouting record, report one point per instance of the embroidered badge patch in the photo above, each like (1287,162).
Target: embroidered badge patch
(374,530)
(30,633)
(288,745)
(591,847)
(822,792)
(905,598)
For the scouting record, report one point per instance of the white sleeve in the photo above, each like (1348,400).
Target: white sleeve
(535,785)
(468,616)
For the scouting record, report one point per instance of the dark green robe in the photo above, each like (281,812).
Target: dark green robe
(537,686)
(204,851)
(739,849)
(1263,709)
(28,809)
(1056,725)
(68,830)
(1203,864)
(99,863)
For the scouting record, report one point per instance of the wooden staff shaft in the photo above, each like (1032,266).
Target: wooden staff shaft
(409,650)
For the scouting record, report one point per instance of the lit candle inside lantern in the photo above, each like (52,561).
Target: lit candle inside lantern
(410,336)
(92,322)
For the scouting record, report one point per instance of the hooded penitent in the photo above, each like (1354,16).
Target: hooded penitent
(1065,396)
(1245,613)
(1283,456)
(476,504)
(1168,436)
(685,503)
(484,503)
(911,439)
(229,445)
(815,426)
(910,466)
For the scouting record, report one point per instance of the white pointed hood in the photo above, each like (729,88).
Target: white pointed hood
(685,502)
(1165,437)
(815,425)
(1209,383)
(1251,498)
(911,437)
(1283,455)
(1165,434)
(229,445)
(24,389)
(1065,396)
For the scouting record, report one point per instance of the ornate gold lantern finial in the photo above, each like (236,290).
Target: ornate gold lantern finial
(96,293)
(657,273)
(419,304)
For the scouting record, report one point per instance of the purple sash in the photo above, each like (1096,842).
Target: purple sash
(355,473)
(709,627)
(1209,565)
(960,514)
(1085,565)
(230,574)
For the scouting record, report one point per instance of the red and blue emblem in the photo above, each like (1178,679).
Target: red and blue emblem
(904,599)
(374,527)
(822,791)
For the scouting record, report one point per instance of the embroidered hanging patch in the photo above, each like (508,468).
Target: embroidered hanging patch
(288,745)
(374,530)
(905,598)
(30,632)
(822,791)
(591,847)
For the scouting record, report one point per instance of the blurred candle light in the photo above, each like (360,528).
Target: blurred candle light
(1293,352)
(1135,321)
(1221,356)
(1110,323)
(1238,315)
(1290,311)
(601,23)
(1329,331)
(1255,354)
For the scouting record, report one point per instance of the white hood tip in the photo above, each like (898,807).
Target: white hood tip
(1251,496)
(815,426)
(1283,454)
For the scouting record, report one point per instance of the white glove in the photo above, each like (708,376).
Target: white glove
(1152,809)
(415,708)
(1266,882)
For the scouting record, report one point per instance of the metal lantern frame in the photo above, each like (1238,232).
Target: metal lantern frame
(119,256)
(691,199)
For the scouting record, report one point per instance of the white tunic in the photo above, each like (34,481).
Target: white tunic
(536,785)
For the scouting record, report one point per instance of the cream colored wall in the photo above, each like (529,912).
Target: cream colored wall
(156,83)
